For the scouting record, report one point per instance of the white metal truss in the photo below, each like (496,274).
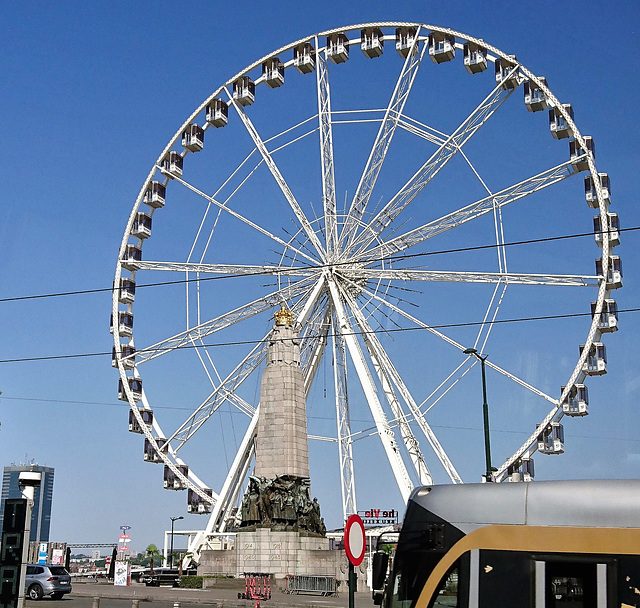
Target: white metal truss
(188,337)
(400,274)
(345,444)
(254,225)
(326,154)
(226,390)
(221,512)
(460,347)
(471,212)
(318,345)
(219,395)
(282,184)
(381,145)
(390,373)
(430,168)
(227,269)
(385,432)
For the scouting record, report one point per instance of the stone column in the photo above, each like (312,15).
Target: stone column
(281,443)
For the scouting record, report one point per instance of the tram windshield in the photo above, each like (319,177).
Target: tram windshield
(424,539)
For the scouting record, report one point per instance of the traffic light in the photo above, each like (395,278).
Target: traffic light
(15,512)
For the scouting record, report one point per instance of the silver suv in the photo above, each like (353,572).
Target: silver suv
(44,579)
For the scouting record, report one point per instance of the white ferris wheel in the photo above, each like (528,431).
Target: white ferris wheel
(376,195)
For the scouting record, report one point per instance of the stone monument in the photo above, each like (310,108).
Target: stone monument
(281,530)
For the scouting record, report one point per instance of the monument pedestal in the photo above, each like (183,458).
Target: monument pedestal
(275,552)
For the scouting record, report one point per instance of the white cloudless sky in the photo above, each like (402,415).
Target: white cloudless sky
(92,92)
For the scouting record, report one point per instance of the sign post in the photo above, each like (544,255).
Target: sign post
(122,573)
(355,545)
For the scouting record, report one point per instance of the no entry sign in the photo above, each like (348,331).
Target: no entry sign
(354,540)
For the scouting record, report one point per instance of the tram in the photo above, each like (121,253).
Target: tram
(546,544)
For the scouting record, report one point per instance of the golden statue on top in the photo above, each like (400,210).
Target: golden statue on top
(283,316)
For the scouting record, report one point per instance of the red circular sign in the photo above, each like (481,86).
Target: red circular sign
(354,540)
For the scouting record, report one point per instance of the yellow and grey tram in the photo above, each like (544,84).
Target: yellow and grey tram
(573,544)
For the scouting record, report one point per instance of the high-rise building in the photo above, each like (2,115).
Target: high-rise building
(43,498)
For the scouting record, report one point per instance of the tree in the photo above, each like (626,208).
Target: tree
(152,552)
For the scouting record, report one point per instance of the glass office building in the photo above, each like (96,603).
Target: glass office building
(43,498)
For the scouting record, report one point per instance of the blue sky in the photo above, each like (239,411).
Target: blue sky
(93,92)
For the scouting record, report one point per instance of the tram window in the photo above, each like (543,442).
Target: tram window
(447,594)
(571,585)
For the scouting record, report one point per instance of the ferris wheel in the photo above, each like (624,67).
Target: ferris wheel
(373,179)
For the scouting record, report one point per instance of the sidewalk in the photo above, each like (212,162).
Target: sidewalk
(221,597)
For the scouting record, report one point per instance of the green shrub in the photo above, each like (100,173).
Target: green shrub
(191,582)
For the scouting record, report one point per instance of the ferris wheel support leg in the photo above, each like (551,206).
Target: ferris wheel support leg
(230,490)
(385,371)
(368,386)
(345,445)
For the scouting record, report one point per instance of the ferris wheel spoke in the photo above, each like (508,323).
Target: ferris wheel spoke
(246,221)
(460,347)
(343,419)
(185,338)
(326,153)
(317,343)
(219,395)
(277,175)
(227,269)
(468,128)
(490,317)
(227,391)
(368,386)
(424,131)
(556,413)
(470,212)
(392,116)
(384,363)
(479,277)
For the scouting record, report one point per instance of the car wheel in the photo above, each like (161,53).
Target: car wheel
(56,596)
(35,592)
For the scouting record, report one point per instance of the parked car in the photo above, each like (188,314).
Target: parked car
(46,579)
(162,576)
(166,576)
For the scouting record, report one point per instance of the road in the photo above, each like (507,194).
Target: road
(165,597)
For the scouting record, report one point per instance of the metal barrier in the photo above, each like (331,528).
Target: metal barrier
(307,583)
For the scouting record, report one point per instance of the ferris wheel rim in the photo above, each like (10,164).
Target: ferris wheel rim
(602,290)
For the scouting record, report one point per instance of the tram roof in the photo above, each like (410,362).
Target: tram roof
(603,503)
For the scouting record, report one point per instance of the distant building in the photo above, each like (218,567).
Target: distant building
(43,498)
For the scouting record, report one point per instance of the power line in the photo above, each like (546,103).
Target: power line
(99,403)
(355,333)
(435,426)
(284,271)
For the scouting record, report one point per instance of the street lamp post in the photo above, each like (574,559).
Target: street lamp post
(485,412)
(173,520)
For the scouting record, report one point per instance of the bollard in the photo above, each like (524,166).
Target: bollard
(135,603)
(96,602)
